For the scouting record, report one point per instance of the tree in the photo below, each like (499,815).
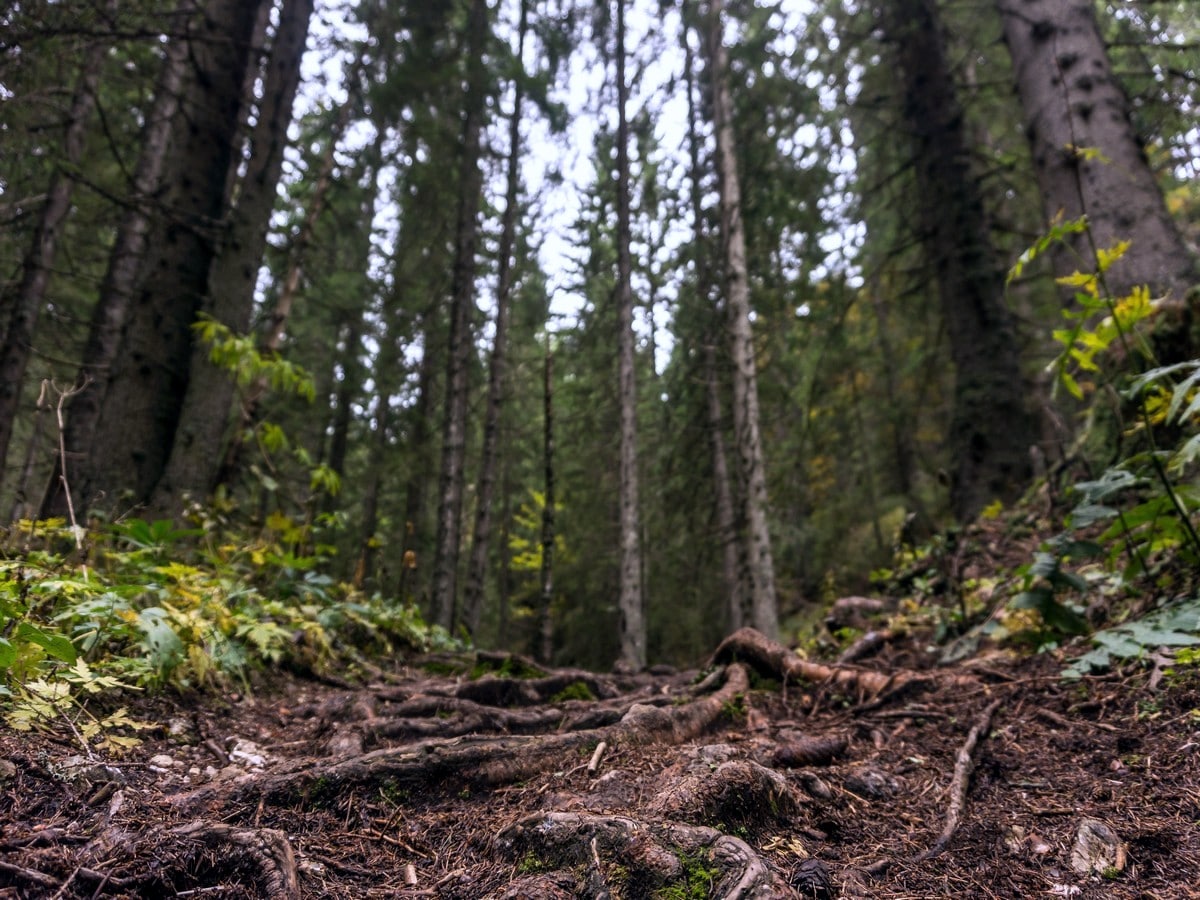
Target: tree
(485,491)
(143,390)
(20,311)
(764,613)
(991,431)
(125,260)
(631,603)
(732,569)
(1087,156)
(193,468)
(462,302)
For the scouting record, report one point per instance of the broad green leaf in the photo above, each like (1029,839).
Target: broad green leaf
(55,644)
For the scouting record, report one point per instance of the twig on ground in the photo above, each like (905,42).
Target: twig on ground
(964,762)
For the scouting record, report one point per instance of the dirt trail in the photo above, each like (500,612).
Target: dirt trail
(764,776)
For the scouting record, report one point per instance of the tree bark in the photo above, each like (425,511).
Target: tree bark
(991,431)
(462,303)
(148,380)
(763,605)
(485,490)
(1073,102)
(732,568)
(631,602)
(124,265)
(204,419)
(544,639)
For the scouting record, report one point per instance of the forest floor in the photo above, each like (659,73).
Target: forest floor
(760,775)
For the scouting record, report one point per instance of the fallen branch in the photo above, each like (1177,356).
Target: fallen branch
(964,763)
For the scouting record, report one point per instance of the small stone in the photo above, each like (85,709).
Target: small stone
(162,761)
(8,770)
(871,784)
(1097,849)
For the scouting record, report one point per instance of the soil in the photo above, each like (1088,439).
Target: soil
(762,775)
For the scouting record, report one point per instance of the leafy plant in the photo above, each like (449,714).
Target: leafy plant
(1144,498)
(1173,625)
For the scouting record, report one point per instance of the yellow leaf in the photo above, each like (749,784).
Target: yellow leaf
(1105,258)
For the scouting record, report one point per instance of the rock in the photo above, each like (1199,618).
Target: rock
(871,784)
(162,761)
(8,770)
(1097,849)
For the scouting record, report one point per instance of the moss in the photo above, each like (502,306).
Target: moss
(531,864)
(696,881)
(509,667)
(576,690)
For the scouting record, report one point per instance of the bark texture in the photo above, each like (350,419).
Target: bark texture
(764,611)
(204,419)
(124,263)
(148,380)
(462,304)
(631,603)
(991,431)
(1073,101)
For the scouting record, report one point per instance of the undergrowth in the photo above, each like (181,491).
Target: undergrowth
(149,606)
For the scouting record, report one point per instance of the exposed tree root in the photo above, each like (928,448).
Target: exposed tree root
(263,853)
(614,855)
(717,789)
(774,660)
(480,761)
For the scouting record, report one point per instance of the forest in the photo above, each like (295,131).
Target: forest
(648,448)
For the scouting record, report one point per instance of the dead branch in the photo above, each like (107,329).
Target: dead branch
(964,763)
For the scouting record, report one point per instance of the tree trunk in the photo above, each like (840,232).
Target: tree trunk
(763,606)
(991,431)
(631,602)
(1073,102)
(204,418)
(544,639)
(485,490)
(454,421)
(21,313)
(732,568)
(148,380)
(124,265)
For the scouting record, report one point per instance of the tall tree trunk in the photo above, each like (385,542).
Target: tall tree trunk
(732,568)
(148,381)
(1073,102)
(485,490)
(454,421)
(204,418)
(416,493)
(991,431)
(21,312)
(125,261)
(764,613)
(544,639)
(631,603)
